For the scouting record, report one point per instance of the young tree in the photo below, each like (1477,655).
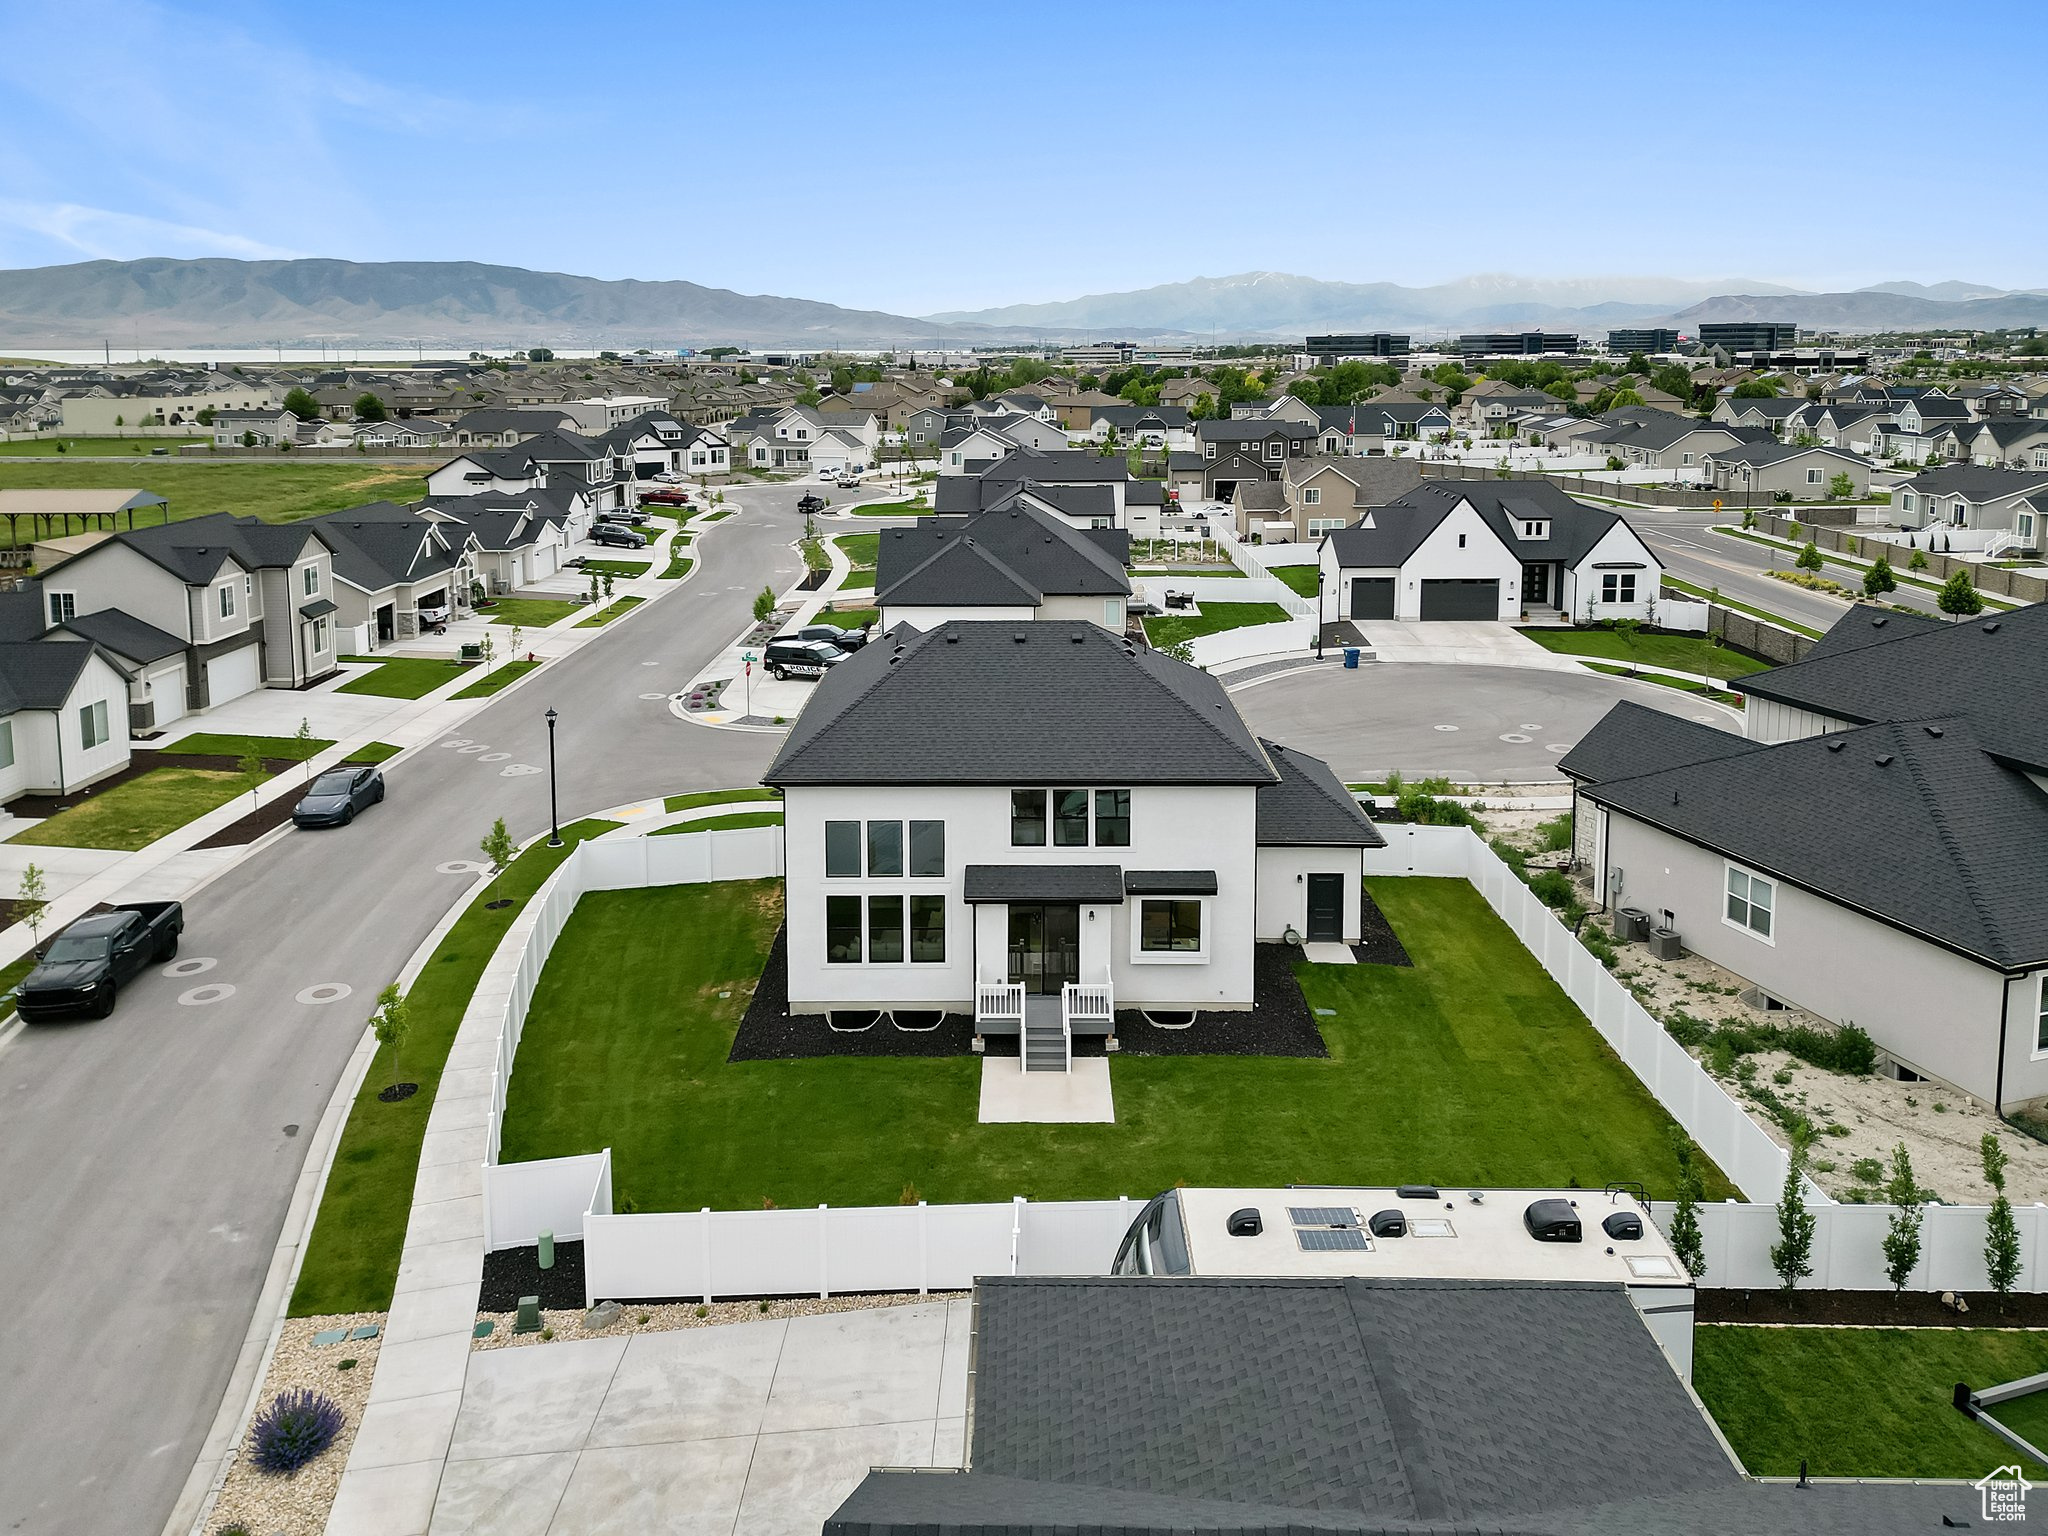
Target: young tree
(489,651)
(1792,1254)
(391,1021)
(32,900)
(1902,1236)
(498,847)
(607,584)
(1686,1241)
(1879,579)
(304,737)
(764,604)
(1841,487)
(248,439)
(1919,560)
(512,642)
(250,767)
(1629,630)
(1958,598)
(302,405)
(1809,557)
(2001,1232)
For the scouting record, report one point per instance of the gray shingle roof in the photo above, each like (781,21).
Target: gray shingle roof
(40,674)
(1309,806)
(125,635)
(1400,527)
(1016,554)
(1632,739)
(1762,453)
(1976,482)
(1017,702)
(383,544)
(1094,883)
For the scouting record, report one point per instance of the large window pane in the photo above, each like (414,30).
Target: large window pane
(1070,818)
(1760,894)
(1170,926)
(1027,818)
(1112,818)
(885,929)
(885,848)
(842,930)
(928,848)
(927,929)
(842,850)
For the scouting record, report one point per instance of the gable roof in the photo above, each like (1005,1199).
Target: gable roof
(1574,526)
(1978,482)
(199,548)
(125,635)
(1309,807)
(384,545)
(1632,739)
(1760,453)
(1000,702)
(1015,554)
(40,674)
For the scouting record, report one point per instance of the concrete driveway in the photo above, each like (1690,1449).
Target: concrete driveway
(1476,724)
(1459,643)
(759,1429)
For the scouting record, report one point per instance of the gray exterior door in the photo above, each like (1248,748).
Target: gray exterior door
(1372,597)
(1325,909)
(1464,599)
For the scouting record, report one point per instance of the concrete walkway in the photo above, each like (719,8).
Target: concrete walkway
(1012,1096)
(757,1428)
(1478,643)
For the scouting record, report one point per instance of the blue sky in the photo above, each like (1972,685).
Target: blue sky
(925,157)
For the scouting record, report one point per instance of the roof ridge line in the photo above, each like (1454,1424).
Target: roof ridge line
(1212,726)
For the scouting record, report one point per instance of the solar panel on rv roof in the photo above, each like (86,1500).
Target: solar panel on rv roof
(1322,1216)
(1332,1240)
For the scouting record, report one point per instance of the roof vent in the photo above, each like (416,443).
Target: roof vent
(1884,759)
(1552,1221)
(952,638)
(1018,637)
(1078,639)
(1245,1222)
(1992,627)
(1623,1227)
(1879,623)
(1834,746)
(1932,730)
(1388,1224)
(1416,1192)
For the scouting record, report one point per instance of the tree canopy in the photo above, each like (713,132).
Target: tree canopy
(302,405)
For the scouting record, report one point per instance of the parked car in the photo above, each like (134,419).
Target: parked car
(832,634)
(789,656)
(632,516)
(333,799)
(810,502)
(669,498)
(85,966)
(618,536)
(668,477)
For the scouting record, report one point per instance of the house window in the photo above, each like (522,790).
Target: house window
(1318,525)
(1461,541)
(842,850)
(227,601)
(1169,927)
(842,930)
(1751,899)
(1618,587)
(1027,818)
(1273,450)
(885,849)
(319,637)
(309,583)
(1909,501)
(1070,818)
(927,849)
(927,929)
(6,743)
(1113,613)
(63,607)
(1208,450)
(885,930)
(2040,1020)
(1312,497)
(1535,530)
(1112,818)
(92,725)
(1813,477)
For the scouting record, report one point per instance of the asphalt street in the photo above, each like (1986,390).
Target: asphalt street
(147,1160)
(1472,724)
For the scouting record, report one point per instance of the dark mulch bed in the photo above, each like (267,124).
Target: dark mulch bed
(1379,945)
(511,1273)
(1279,1022)
(248,828)
(770,1032)
(1343,632)
(1914,1309)
(814,580)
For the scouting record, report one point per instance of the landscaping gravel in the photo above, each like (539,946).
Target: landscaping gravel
(298,1503)
(770,1032)
(668,1316)
(1279,1022)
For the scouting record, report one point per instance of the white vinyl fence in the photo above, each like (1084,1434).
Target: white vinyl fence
(1253,640)
(1689,618)
(1749,1157)
(1847,1247)
(1258,572)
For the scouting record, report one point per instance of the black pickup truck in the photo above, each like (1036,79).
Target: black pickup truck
(84,967)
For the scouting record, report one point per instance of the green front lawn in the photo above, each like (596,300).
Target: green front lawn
(1445,1071)
(860,549)
(402,677)
(375,752)
(498,677)
(677,569)
(351,1259)
(534,612)
(1214,618)
(278,491)
(723,823)
(858,581)
(1301,579)
(1681,684)
(1683,653)
(211,744)
(93,447)
(894,509)
(135,814)
(1864,1402)
(690,802)
(616,610)
(850,618)
(619,568)
(1704,595)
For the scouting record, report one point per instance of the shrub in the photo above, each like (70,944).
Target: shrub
(1553,887)
(1600,945)
(1687,1029)
(1848,1050)
(1428,811)
(297,1426)
(1555,835)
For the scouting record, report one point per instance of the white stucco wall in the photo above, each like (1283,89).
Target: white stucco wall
(1768,720)
(1935,1011)
(920,617)
(1619,545)
(1441,558)
(112,575)
(1283,888)
(1172,827)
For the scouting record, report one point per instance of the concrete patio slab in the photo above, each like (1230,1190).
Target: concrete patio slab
(1012,1096)
(846,1368)
(698,1384)
(794,1475)
(688,1488)
(505,1496)
(523,1401)
(1328,954)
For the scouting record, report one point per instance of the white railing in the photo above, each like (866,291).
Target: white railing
(1270,588)
(1753,1162)
(998,1000)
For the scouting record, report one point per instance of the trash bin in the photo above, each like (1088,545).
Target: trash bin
(1351,656)
(1631,925)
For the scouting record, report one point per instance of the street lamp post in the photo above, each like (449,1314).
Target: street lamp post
(554,809)
(1322,581)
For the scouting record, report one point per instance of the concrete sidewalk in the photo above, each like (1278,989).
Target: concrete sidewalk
(1478,643)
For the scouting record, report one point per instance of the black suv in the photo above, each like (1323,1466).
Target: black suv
(789,656)
(618,536)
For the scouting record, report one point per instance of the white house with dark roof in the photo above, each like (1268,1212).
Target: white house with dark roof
(63,715)
(1489,550)
(1041,823)
(395,570)
(1014,563)
(1929,930)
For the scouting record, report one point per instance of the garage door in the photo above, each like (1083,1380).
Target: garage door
(231,676)
(1461,599)
(1372,597)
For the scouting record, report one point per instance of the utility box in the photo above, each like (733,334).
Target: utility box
(1631,924)
(1664,944)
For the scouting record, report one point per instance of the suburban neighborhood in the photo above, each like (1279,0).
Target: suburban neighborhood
(896,869)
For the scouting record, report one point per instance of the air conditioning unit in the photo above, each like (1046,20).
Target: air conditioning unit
(1664,944)
(1631,924)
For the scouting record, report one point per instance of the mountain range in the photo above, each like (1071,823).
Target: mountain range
(221,302)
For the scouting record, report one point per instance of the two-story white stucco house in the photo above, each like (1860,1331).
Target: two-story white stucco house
(1041,823)
(1489,550)
(1874,850)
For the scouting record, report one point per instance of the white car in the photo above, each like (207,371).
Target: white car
(669,477)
